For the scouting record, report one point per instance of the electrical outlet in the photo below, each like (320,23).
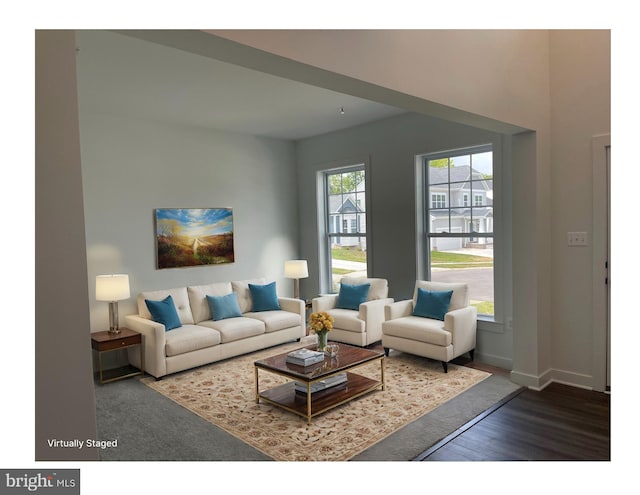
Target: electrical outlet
(577,238)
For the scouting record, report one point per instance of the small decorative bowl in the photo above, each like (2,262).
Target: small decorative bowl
(331,350)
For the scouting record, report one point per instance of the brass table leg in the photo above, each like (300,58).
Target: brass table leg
(100,366)
(141,359)
(309,403)
(257,389)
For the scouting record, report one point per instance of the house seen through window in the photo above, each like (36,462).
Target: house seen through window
(345,223)
(459,220)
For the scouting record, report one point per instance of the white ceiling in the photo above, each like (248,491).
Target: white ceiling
(122,74)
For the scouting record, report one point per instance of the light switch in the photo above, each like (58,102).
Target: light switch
(578,238)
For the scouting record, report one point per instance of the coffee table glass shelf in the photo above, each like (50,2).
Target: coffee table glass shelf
(309,404)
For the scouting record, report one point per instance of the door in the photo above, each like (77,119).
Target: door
(601,149)
(608,266)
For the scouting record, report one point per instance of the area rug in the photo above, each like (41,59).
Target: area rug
(224,394)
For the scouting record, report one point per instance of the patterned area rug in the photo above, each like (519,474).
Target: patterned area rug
(224,394)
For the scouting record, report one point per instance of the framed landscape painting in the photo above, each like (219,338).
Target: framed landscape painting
(193,236)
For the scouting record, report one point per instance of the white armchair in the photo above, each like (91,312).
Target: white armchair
(441,339)
(361,326)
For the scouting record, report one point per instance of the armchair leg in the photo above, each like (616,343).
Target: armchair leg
(386,352)
(445,366)
(471,353)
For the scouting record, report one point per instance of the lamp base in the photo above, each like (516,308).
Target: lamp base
(113,318)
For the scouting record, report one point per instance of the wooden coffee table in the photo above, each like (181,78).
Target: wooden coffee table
(308,404)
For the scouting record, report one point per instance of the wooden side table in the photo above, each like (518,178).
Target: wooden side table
(104,342)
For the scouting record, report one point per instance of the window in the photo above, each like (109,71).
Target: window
(345,238)
(458,236)
(438,200)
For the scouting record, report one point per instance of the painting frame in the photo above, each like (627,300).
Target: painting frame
(192,237)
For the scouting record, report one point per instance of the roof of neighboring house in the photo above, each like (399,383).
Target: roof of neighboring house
(345,203)
(459,177)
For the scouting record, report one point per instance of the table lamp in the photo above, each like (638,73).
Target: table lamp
(296,269)
(112,288)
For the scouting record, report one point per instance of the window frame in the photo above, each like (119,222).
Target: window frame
(326,235)
(496,322)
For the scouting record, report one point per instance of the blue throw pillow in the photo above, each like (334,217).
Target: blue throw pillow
(164,312)
(264,297)
(223,307)
(351,296)
(432,304)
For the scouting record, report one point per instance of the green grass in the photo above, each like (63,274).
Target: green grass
(347,254)
(443,259)
(484,307)
(341,271)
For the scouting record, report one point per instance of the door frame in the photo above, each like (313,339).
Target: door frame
(601,240)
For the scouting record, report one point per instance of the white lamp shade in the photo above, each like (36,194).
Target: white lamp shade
(112,287)
(296,269)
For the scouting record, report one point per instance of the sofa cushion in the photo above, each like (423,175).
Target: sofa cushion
(352,296)
(432,304)
(459,298)
(418,328)
(276,320)
(190,338)
(236,328)
(264,297)
(347,319)
(379,287)
(164,312)
(223,307)
(241,287)
(180,300)
(198,300)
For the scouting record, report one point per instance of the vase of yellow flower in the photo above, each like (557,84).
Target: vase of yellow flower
(321,323)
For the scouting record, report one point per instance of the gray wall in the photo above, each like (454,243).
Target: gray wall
(580,110)
(65,403)
(390,146)
(131,166)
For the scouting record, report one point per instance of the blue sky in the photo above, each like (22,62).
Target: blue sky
(197,222)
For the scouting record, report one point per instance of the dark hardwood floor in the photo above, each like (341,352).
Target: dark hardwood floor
(557,423)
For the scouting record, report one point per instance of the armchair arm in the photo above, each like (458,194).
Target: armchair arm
(462,324)
(292,305)
(398,309)
(153,342)
(324,303)
(372,312)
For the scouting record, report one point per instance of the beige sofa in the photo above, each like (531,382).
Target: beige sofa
(200,339)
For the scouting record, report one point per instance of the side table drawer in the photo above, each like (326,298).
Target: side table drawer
(118,343)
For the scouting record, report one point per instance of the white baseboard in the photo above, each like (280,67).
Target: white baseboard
(539,382)
(493,360)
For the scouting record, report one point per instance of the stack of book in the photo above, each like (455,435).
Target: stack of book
(305,357)
(332,381)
